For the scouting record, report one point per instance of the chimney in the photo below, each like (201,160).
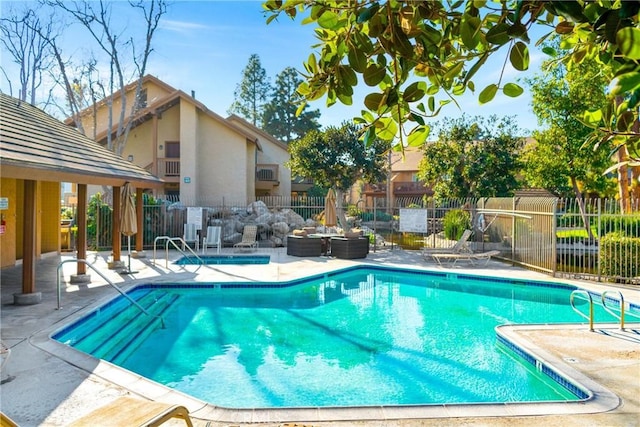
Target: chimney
(193,94)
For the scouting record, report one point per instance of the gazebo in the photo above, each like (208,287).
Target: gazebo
(37,153)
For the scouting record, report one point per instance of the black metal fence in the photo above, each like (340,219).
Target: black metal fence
(563,237)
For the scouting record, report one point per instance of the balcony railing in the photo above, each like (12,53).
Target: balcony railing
(169,168)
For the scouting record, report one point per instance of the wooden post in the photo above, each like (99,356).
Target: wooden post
(115,226)
(139,220)
(81,225)
(29,238)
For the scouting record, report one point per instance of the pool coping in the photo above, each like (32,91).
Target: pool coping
(600,398)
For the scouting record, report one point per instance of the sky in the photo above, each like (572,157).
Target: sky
(204,46)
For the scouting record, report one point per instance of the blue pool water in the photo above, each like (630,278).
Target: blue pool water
(362,336)
(224,259)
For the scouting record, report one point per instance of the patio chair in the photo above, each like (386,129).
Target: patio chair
(461,246)
(213,238)
(471,257)
(249,235)
(134,412)
(190,235)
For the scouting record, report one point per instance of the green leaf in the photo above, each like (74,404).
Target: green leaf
(373,101)
(498,34)
(628,41)
(374,74)
(328,20)
(469,29)
(357,60)
(417,118)
(625,83)
(513,90)
(488,93)
(431,103)
(347,75)
(367,13)
(519,56)
(592,118)
(518,31)
(418,136)
(369,136)
(414,92)
(386,129)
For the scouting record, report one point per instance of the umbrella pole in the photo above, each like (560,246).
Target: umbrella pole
(128,270)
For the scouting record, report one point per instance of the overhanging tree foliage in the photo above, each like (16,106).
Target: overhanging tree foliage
(335,158)
(473,157)
(419,55)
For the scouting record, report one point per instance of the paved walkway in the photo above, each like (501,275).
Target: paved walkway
(42,387)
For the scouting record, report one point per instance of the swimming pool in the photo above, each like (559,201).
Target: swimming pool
(223,259)
(362,336)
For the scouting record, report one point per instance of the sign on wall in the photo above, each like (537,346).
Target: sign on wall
(413,220)
(194,216)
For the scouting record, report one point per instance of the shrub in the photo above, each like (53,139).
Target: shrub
(628,225)
(455,222)
(620,255)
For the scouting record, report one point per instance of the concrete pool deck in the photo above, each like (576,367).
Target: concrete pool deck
(47,384)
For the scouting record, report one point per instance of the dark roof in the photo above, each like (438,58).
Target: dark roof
(34,145)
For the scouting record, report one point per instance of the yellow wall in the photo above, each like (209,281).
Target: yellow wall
(47,219)
(222,153)
(50,217)
(8,239)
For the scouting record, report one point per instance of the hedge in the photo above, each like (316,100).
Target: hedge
(620,255)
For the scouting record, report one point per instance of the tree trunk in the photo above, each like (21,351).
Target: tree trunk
(583,211)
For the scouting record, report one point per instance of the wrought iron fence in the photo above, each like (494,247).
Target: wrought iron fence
(588,238)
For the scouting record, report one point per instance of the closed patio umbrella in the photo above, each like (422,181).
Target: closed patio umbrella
(330,216)
(128,220)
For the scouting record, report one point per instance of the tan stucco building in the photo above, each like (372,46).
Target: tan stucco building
(201,156)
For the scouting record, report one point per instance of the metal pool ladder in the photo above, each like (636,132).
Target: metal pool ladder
(124,294)
(582,292)
(620,299)
(173,241)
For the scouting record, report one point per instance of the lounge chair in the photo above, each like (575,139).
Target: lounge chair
(127,411)
(249,234)
(471,257)
(212,239)
(190,235)
(461,246)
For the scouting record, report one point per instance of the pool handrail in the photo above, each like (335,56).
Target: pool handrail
(610,310)
(123,293)
(172,240)
(589,299)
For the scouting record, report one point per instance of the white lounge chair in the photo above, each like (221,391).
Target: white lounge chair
(249,235)
(461,246)
(471,257)
(190,235)
(213,238)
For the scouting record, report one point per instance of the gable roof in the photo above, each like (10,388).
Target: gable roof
(245,123)
(35,145)
(173,97)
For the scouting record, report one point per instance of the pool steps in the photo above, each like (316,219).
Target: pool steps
(109,345)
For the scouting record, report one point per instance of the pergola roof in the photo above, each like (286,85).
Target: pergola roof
(36,146)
